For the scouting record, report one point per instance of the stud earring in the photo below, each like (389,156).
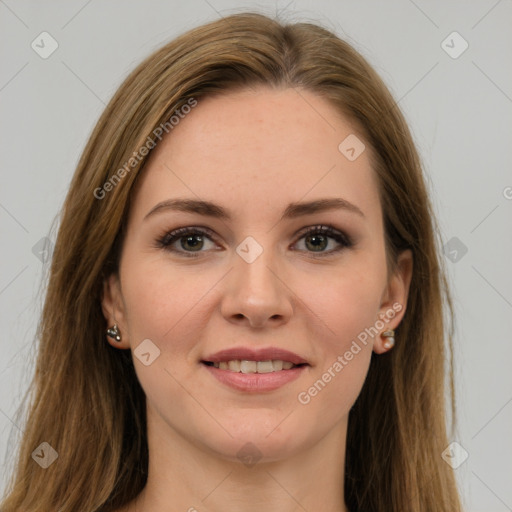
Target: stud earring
(390,339)
(114,332)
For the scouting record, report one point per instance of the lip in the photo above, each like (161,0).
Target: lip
(254,354)
(255,382)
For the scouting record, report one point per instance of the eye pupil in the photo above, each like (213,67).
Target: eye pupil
(190,240)
(318,242)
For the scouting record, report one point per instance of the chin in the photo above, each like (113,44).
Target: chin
(261,435)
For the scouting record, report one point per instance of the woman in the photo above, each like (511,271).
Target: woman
(245,304)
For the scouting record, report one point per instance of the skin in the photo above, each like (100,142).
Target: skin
(252,152)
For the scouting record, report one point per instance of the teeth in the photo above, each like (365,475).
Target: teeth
(234,366)
(245,366)
(248,366)
(264,366)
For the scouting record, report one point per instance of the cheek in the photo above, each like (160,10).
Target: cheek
(347,307)
(165,304)
(160,299)
(347,303)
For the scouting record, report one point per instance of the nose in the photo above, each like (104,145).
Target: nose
(256,294)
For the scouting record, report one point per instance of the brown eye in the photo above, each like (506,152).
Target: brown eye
(319,238)
(186,241)
(316,242)
(192,242)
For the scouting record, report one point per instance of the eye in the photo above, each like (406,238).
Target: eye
(186,241)
(317,239)
(190,241)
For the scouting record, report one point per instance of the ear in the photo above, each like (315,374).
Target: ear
(394,298)
(112,305)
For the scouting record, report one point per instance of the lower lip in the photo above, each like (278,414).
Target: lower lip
(256,382)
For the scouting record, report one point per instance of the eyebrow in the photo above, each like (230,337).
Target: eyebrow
(293,210)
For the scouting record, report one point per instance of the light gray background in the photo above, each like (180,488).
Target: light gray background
(460,112)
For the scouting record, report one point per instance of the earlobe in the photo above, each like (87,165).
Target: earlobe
(111,303)
(114,333)
(394,302)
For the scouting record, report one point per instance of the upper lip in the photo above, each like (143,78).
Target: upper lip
(254,354)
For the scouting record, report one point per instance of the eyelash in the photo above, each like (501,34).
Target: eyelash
(165,241)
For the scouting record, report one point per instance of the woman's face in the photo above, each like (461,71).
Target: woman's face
(246,276)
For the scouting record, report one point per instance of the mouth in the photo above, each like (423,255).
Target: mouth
(255,370)
(247,366)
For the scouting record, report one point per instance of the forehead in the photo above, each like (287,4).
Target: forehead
(259,148)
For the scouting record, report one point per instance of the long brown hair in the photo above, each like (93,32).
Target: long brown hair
(85,399)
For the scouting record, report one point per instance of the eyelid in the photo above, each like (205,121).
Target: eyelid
(342,238)
(175,234)
(327,230)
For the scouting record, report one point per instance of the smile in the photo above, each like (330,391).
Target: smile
(245,366)
(245,375)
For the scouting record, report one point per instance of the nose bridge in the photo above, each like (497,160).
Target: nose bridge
(258,276)
(254,276)
(256,291)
